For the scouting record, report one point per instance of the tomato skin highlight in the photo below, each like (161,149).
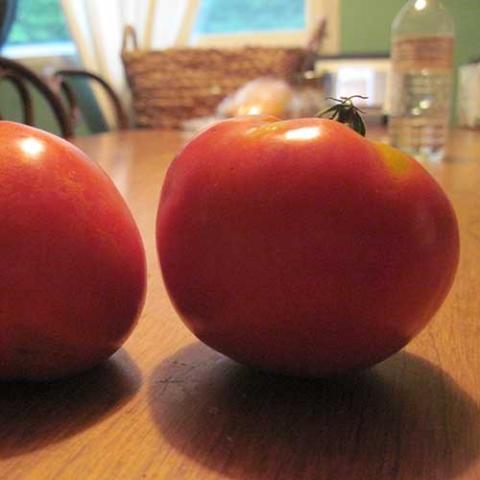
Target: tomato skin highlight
(301,247)
(72,280)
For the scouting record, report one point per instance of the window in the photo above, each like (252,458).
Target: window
(220,16)
(39,29)
(267,22)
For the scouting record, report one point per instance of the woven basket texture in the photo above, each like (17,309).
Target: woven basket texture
(173,85)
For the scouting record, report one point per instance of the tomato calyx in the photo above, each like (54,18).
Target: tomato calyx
(344,111)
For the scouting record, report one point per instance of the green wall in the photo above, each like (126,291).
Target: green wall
(365,26)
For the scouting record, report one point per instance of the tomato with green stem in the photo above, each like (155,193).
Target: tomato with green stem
(302,247)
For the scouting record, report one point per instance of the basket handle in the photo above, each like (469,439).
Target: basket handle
(129,37)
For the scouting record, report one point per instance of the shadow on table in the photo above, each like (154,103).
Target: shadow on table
(33,415)
(405,418)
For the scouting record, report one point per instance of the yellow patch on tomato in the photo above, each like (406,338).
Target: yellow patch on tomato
(264,129)
(395,160)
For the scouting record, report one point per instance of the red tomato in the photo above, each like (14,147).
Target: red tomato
(301,247)
(72,261)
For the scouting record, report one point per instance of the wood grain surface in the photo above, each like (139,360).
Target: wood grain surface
(167,407)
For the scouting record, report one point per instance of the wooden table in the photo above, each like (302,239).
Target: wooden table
(167,407)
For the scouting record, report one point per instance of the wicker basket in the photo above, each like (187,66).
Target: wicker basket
(176,84)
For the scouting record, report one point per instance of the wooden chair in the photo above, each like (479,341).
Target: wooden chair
(62,77)
(21,76)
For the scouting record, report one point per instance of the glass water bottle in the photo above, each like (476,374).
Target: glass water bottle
(422,76)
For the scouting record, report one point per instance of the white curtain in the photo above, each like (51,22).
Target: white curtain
(97,30)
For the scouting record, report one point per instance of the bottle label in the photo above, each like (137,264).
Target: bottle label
(416,52)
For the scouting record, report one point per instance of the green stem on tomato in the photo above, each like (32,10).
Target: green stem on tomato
(344,111)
